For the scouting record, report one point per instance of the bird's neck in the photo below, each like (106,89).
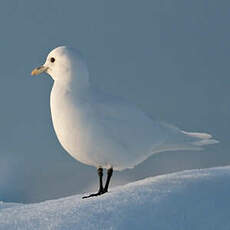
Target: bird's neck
(76,81)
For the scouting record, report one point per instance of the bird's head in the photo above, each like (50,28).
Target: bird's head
(64,65)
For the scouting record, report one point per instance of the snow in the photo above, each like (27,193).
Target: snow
(195,199)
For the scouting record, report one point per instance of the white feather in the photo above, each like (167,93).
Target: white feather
(101,130)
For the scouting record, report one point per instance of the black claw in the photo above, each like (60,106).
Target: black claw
(94,194)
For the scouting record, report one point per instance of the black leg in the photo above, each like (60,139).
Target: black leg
(109,175)
(100,191)
(100,174)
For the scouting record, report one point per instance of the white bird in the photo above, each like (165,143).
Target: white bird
(102,130)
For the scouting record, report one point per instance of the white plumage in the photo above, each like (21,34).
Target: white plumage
(101,130)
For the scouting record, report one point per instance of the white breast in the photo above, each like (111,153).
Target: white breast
(66,121)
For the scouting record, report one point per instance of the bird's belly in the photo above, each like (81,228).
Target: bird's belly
(88,144)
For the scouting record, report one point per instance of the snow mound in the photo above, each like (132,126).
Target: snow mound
(196,199)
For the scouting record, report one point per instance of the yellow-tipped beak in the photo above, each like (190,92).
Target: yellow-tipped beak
(39,70)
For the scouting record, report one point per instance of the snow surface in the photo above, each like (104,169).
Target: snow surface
(195,199)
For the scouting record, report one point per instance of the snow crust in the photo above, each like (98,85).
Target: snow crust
(195,199)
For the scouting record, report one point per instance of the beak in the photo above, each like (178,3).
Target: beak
(39,70)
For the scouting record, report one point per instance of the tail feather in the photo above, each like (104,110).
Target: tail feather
(177,139)
(201,139)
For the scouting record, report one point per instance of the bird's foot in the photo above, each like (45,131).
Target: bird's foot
(95,194)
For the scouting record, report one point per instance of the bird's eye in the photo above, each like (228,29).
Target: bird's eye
(52,59)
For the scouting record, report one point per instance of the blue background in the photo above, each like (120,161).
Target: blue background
(169,57)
